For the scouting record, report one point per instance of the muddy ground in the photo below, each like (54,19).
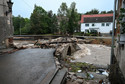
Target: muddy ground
(93,54)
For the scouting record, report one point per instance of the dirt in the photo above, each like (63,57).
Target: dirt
(106,42)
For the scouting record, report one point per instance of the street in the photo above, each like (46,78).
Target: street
(29,66)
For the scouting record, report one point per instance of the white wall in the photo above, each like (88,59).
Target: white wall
(102,29)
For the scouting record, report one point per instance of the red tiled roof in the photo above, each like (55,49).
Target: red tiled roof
(94,15)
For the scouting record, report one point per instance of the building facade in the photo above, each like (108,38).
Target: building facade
(100,22)
(6,24)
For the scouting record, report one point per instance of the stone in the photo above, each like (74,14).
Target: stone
(81,75)
(97,76)
(79,81)
(71,73)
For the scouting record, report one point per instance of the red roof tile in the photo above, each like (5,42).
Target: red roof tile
(95,15)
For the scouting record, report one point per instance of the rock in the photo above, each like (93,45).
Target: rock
(91,76)
(57,63)
(97,76)
(17,45)
(74,78)
(81,75)
(71,73)
(79,81)
(71,82)
(92,82)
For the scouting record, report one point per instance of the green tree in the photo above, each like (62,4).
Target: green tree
(111,11)
(62,16)
(54,24)
(26,28)
(103,12)
(39,21)
(93,11)
(74,18)
(18,22)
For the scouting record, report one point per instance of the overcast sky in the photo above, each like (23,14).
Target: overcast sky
(25,7)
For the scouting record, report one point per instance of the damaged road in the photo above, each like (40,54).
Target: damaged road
(82,59)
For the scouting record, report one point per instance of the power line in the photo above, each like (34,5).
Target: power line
(27,4)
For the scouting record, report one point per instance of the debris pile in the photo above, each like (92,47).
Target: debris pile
(23,45)
(83,73)
(67,50)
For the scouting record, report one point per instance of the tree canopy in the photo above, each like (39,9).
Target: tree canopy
(68,18)
(93,11)
(21,25)
(96,11)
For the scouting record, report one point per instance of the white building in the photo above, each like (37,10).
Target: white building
(101,22)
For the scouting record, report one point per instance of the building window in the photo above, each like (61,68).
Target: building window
(87,25)
(93,24)
(107,24)
(103,24)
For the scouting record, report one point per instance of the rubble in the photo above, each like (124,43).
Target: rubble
(24,45)
(81,75)
(58,65)
(67,51)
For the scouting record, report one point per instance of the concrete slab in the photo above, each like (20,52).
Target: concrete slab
(28,66)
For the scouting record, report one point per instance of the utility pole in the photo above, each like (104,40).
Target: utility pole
(113,28)
(20,28)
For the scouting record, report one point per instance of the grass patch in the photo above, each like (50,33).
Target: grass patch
(74,67)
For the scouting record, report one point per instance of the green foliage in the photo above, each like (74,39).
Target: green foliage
(120,20)
(26,28)
(93,11)
(54,29)
(73,19)
(52,22)
(96,11)
(68,18)
(111,11)
(38,21)
(78,33)
(79,66)
(42,22)
(103,12)
(62,11)
(62,18)
(20,23)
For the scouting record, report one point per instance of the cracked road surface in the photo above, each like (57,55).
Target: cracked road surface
(28,66)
